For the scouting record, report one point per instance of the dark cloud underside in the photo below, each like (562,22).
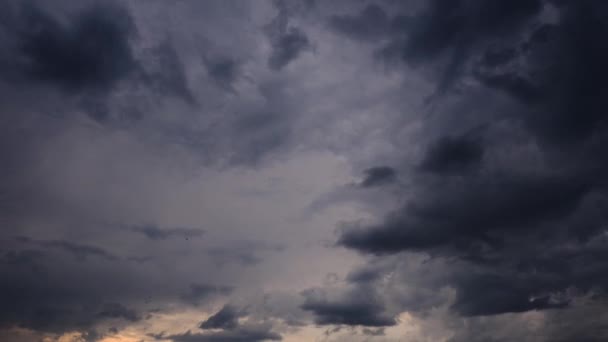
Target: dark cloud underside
(512,221)
(379,175)
(91,51)
(356,308)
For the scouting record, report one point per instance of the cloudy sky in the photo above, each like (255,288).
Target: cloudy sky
(413,170)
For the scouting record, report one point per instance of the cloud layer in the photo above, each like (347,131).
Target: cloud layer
(303,170)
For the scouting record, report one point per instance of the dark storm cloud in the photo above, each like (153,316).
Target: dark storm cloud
(169,76)
(495,69)
(85,52)
(359,307)
(264,127)
(371,23)
(512,217)
(379,175)
(523,278)
(26,258)
(224,325)
(201,292)
(495,294)
(226,318)
(453,30)
(89,52)
(156,233)
(250,334)
(516,85)
(520,230)
(224,255)
(287,47)
(445,26)
(453,154)
(287,42)
(40,292)
(246,253)
(80,251)
(455,212)
(71,274)
(224,71)
(570,104)
(117,310)
(556,325)
(364,275)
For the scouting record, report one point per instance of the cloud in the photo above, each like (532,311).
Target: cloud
(287,42)
(89,52)
(364,275)
(201,292)
(226,318)
(244,335)
(508,208)
(224,325)
(117,310)
(287,47)
(494,294)
(373,332)
(459,212)
(223,70)
(480,212)
(453,154)
(169,77)
(37,295)
(553,325)
(443,31)
(156,233)
(88,57)
(371,23)
(246,253)
(353,308)
(378,175)
(79,251)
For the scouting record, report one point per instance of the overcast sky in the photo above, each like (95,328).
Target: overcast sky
(413,170)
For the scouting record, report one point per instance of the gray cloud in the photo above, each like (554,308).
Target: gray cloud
(453,154)
(354,308)
(474,204)
(202,292)
(223,70)
(92,51)
(117,310)
(79,251)
(226,318)
(379,175)
(476,213)
(169,76)
(224,325)
(39,296)
(156,233)
(245,334)
(246,253)
(371,23)
(287,42)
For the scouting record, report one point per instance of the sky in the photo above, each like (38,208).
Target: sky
(301,170)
